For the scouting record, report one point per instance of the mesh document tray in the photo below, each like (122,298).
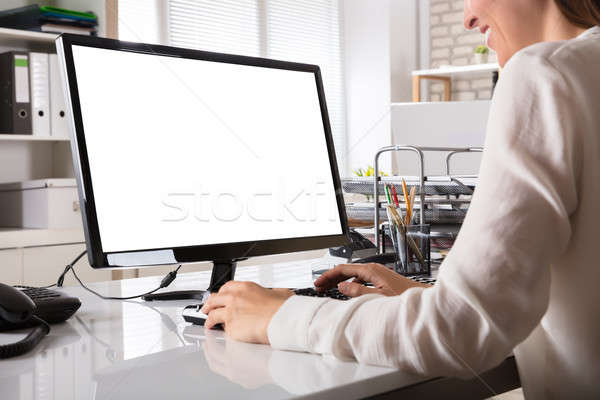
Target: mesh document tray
(365,213)
(434,185)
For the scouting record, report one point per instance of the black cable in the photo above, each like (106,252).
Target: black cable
(28,343)
(61,278)
(46,287)
(42,323)
(166,281)
(170,277)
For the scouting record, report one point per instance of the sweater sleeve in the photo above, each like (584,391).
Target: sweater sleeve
(493,288)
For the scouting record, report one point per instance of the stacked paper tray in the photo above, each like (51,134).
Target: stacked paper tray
(434,185)
(444,214)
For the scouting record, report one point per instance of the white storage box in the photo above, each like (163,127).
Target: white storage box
(43,203)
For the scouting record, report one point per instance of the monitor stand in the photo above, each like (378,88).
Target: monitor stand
(222,272)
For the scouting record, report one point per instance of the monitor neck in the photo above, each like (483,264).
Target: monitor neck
(222,272)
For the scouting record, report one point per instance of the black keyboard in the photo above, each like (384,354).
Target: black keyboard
(423,279)
(52,306)
(331,293)
(335,293)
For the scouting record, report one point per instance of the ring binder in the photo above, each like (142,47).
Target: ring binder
(40,94)
(58,116)
(15,106)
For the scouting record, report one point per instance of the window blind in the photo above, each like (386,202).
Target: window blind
(308,31)
(305,31)
(226,26)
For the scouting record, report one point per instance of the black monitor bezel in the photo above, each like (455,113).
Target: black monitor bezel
(187,254)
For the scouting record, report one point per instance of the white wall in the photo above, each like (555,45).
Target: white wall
(454,124)
(381,45)
(404,47)
(367,78)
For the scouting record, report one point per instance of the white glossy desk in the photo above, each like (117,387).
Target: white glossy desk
(137,350)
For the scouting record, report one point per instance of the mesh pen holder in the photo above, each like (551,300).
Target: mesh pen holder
(412,245)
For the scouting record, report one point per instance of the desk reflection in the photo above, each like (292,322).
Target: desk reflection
(90,359)
(61,368)
(252,366)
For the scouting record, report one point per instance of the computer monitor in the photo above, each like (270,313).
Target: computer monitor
(183,156)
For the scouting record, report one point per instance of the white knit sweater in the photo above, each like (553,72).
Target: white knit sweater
(524,273)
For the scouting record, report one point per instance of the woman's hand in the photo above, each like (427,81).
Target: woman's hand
(384,280)
(244,309)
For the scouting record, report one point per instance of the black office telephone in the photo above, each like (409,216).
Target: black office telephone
(359,246)
(24,307)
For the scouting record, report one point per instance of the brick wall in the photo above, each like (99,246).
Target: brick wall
(451,44)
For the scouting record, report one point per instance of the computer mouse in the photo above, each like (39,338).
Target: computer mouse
(192,314)
(15,306)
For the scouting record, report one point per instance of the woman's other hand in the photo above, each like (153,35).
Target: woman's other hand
(384,280)
(245,310)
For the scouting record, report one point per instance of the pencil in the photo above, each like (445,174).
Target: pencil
(413,192)
(405,192)
(395,196)
(396,217)
(392,190)
(387,193)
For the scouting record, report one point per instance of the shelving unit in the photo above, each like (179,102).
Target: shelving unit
(25,157)
(13,238)
(445,75)
(451,71)
(33,256)
(31,138)
(33,41)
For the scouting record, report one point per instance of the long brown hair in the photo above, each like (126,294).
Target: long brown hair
(584,13)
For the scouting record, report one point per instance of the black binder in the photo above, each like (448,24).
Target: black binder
(15,99)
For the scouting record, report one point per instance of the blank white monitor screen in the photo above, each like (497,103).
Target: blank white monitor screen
(186,152)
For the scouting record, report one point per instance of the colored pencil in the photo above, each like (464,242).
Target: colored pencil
(387,193)
(406,201)
(395,196)
(413,192)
